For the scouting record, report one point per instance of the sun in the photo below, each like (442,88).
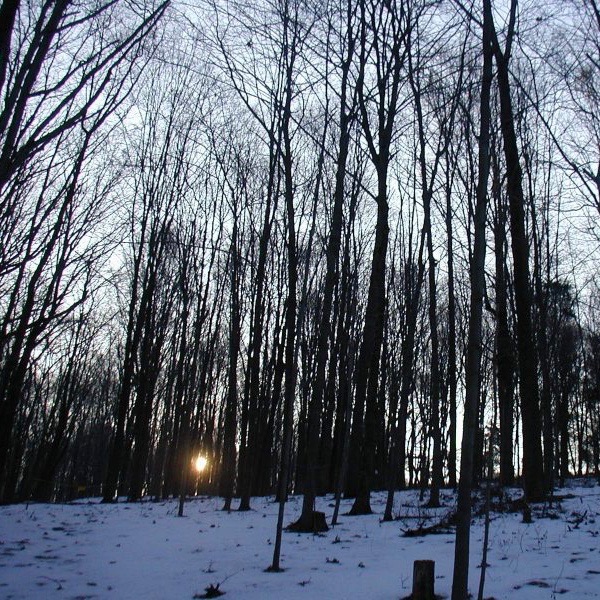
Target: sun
(200,463)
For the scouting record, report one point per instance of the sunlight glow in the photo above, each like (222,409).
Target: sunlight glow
(200,463)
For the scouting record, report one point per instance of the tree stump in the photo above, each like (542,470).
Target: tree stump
(314,523)
(423,580)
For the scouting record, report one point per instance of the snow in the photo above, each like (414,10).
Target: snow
(144,551)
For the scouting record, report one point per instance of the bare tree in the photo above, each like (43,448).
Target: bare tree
(384,30)
(346,116)
(460,579)
(61,79)
(533,471)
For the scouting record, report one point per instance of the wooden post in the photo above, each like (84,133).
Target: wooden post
(423,580)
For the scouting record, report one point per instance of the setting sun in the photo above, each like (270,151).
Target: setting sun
(200,463)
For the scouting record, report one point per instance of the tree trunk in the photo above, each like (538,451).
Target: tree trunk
(292,272)
(452,366)
(505,364)
(533,468)
(367,369)
(248,451)
(229,434)
(460,581)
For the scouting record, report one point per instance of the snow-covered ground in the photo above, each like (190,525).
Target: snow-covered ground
(144,551)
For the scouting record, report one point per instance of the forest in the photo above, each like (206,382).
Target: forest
(329,246)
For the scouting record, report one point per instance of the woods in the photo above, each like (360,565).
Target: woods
(316,243)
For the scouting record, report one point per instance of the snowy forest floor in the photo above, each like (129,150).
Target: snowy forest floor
(144,551)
